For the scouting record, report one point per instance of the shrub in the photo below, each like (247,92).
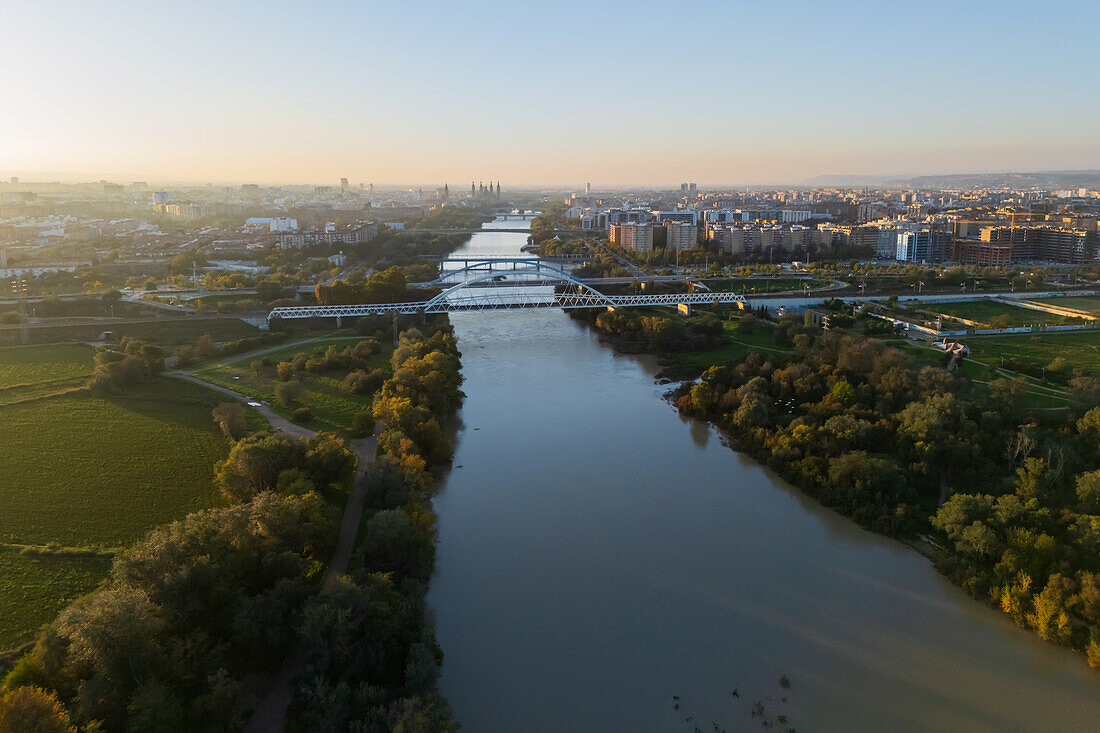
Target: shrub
(362,424)
(361,382)
(287,392)
(302,414)
(230,418)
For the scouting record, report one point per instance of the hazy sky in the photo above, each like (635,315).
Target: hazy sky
(546,92)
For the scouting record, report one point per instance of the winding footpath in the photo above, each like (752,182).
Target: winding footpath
(270,712)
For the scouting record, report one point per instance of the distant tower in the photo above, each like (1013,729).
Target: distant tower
(420,193)
(343,185)
(473,191)
(587,188)
(446,191)
(498,189)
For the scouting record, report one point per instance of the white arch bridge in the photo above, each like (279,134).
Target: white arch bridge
(537,285)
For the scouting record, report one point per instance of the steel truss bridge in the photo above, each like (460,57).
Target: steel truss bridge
(540,285)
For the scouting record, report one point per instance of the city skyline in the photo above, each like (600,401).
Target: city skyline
(721,95)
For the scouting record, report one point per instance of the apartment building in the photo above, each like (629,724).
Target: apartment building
(681,236)
(636,237)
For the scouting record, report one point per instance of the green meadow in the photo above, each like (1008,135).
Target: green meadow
(84,476)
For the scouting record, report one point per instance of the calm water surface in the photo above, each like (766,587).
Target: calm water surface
(598,554)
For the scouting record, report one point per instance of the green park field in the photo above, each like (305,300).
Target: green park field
(1081,349)
(999,314)
(165,332)
(84,476)
(1087,303)
(333,408)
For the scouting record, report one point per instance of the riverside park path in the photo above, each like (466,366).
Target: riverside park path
(270,712)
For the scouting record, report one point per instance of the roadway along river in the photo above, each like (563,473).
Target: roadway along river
(598,555)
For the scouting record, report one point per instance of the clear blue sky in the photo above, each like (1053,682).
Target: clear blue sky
(554,93)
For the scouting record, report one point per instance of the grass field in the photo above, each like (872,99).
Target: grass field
(985,311)
(1080,348)
(1087,303)
(25,365)
(736,344)
(762,285)
(166,332)
(33,589)
(82,470)
(1037,395)
(88,472)
(333,408)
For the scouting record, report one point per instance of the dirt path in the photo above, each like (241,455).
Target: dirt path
(277,422)
(270,712)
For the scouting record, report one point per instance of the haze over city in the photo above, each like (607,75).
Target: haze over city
(620,94)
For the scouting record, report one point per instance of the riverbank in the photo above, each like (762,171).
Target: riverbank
(911,451)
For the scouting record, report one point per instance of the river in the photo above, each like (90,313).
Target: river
(598,555)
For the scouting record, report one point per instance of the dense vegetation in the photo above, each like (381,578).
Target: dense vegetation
(388,286)
(191,621)
(1008,499)
(637,331)
(372,656)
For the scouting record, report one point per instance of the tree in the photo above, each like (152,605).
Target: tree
(1088,492)
(230,418)
(31,709)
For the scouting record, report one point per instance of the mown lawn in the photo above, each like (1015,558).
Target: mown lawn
(985,311)
(332,407)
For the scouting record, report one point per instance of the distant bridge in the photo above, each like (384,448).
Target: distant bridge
(494,291)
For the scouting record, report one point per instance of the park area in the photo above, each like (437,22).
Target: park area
(319,386)
(1079,349)
(994,314)
(85,476)
(1087,303)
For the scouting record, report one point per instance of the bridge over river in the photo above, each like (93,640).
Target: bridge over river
(529,283)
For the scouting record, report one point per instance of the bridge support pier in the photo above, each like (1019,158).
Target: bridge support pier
(339,321)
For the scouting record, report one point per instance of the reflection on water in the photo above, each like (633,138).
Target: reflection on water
(598,556)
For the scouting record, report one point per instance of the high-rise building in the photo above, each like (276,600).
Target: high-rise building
(636,237)
(680,235)
(15,179)
(588,188)
(343,184)
(921,244)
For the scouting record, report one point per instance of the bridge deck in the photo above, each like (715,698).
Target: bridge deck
(510,302)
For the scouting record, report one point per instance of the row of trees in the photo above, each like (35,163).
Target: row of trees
(373,660)
(1008,497)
